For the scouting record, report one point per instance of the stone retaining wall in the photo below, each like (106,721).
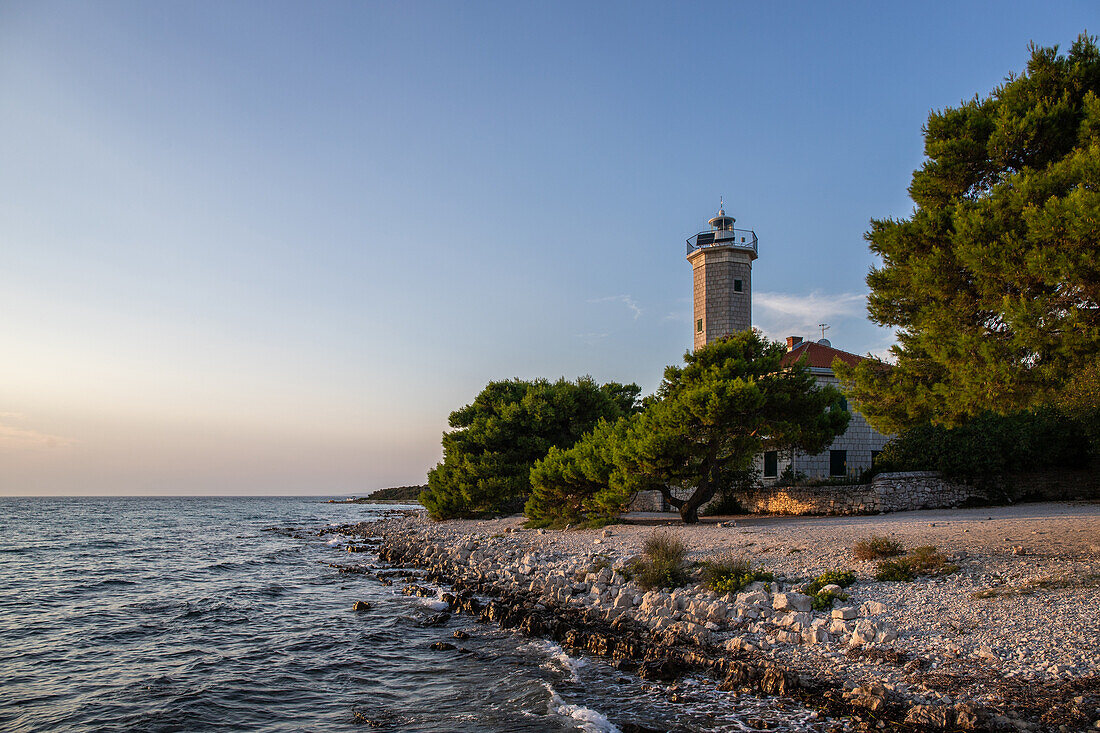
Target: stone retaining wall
(902,491)
(888,492)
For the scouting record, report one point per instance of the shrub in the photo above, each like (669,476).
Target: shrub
(843,578)
(725,500)
(579,486)
(823,600)
(877,548)
(895,570)
(927,560)
(731,573)
(924,560)
(663,564)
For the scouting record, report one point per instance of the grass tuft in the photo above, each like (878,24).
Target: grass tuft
(877,548)
(924,560)
(663,563)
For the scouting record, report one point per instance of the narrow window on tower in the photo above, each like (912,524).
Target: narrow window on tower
(737,287)
(699,326)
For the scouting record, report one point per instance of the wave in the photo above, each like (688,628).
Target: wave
(587,719)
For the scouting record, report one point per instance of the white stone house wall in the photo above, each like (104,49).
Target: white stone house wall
(860,441)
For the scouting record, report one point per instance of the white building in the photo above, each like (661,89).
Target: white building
(850,454)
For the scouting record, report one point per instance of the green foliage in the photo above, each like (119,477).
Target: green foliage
(731,573)
(988,446)
(924,560)
(876,548)
(731,400)
(663,563)
(398,493)
(894,570)
(823,600)
(488,454)
(582,485)
(843,578)
(992,283)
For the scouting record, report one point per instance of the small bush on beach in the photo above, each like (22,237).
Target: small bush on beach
(877,548)
(924,560)
(927,560)
(823,600)
(843,578)
(663,563)
(731,573)
(894,570)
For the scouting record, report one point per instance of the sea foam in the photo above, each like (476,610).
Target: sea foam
(588,720)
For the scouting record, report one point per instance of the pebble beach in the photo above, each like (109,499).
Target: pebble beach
(1010,640)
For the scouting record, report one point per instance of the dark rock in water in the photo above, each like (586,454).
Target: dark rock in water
(361,719)
(437,620)
(361,606)
(531,626)
(738,674)
(635,728)
(663,670)
(418,590)
(460,634)
(776,681)
(442,646)
(625,665)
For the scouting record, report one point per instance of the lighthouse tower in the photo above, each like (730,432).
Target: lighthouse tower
(721,271)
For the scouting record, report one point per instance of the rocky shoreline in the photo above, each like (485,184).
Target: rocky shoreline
(860,662)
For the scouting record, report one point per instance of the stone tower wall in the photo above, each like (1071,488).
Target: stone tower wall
(722,309)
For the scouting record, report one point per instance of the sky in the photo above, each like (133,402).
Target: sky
(266,248)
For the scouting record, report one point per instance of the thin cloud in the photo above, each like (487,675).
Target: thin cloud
(592,339)
(14,438)
(626,300)
(784,314)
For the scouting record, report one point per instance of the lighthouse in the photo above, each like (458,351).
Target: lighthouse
(721,273)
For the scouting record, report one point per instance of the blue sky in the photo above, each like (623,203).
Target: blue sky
(268,247)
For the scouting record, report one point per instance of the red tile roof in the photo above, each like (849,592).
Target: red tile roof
(819,356)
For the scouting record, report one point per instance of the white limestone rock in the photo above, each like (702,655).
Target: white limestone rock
(792,602)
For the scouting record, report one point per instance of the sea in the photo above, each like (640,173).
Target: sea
(224,614)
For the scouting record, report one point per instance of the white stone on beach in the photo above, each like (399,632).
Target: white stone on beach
(792,602)
(846,613)
(755,598)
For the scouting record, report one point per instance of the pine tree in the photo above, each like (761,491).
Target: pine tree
(994,281)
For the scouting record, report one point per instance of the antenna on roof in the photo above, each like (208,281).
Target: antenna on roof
(824,327)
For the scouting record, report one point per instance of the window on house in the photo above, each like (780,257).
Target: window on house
(771,464)
(844,403)
(838,463)
(699,326)
(738,286)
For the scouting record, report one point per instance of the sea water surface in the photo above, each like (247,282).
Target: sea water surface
(197,614)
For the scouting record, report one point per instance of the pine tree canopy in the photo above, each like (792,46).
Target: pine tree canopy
(993,283)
